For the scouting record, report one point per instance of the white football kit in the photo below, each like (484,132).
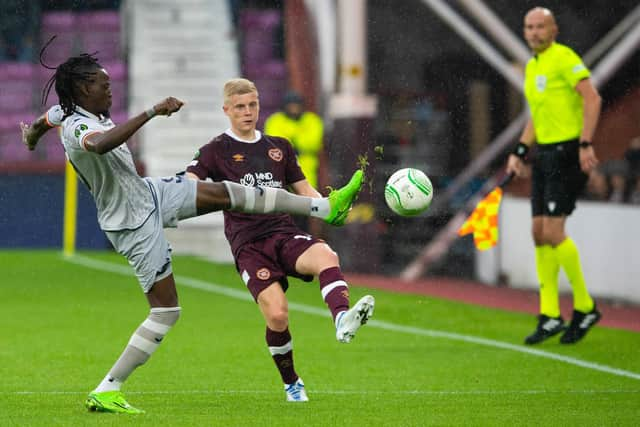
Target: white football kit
(131,210)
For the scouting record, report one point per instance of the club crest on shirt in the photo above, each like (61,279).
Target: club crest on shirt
(263,274)
(79,129)
(238,157)
(275,154)
(541,83)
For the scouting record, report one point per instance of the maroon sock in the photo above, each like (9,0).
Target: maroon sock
(334,290)
(282,352)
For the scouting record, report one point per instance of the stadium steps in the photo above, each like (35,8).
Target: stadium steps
(186,50)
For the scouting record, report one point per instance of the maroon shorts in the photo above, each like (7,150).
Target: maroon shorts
(272,259)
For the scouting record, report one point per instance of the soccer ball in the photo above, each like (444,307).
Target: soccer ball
(408,192)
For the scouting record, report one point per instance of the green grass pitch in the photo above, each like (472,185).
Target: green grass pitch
(420,361)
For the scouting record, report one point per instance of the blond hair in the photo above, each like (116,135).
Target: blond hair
(238,86)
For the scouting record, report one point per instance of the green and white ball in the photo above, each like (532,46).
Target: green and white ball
(408,192)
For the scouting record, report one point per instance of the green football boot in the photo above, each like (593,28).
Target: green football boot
(341,200)
(110,401)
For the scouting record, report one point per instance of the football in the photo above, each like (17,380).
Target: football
(408,192)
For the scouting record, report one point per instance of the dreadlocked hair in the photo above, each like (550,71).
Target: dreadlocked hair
(81,68)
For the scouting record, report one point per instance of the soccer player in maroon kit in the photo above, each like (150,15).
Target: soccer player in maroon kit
(268,248)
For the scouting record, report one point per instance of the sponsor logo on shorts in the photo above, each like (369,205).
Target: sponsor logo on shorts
(275,154)
(263,274)
(552,206)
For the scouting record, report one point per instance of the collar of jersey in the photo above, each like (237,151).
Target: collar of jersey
(237,138)
(85,113)
(547,50)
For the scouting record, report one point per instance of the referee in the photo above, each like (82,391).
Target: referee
(564,108)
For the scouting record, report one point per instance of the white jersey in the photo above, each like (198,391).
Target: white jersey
(54,116)
(123,199)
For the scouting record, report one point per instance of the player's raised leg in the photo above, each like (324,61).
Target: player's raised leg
(213,196)
(319,259)
(348,322)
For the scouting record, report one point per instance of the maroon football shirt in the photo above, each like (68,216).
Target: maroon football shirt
(268,162)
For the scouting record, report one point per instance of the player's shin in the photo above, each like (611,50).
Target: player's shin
(264,200)
(334,290)
(281,350)
(547,268)
(144,341)
(569,258)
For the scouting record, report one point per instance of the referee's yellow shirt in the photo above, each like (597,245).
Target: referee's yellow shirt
(549,86)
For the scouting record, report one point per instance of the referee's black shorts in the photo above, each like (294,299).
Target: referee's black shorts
(557,179)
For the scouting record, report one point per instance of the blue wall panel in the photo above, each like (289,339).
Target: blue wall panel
(31,213)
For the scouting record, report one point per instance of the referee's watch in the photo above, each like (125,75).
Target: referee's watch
(585,144)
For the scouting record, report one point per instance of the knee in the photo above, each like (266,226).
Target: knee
(167,316)
(278,319)
(326,258)
(331,257)
(539,239)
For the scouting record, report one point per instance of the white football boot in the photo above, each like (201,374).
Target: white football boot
(348,322)
(295,392)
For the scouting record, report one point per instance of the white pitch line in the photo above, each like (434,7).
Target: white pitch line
(345,392)
(233,293)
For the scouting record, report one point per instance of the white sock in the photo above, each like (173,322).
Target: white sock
(320,207)
(144,341)
(108,384)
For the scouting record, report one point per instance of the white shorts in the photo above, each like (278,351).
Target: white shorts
(146,248)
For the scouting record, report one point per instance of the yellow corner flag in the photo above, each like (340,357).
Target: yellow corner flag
(483,221)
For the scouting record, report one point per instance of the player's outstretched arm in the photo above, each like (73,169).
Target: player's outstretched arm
(103,142)
(31,134)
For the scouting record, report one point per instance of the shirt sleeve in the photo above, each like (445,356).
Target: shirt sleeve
(54,116)
(198,166)
(574,69)
(293,171)
(76,131)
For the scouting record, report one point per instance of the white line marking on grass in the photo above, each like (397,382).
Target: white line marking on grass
(233,293)
(344,392)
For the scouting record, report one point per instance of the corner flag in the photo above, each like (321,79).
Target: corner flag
(483,221)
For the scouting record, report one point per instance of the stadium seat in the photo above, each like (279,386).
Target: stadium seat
(99,20)
(63,25)
(99,32)
(260,20)
(53,146)
(273,69)
(16,86)
(11,147)
(257,48)
(60,49)
(16,102)
(58,21)
(271,92)
(105,46)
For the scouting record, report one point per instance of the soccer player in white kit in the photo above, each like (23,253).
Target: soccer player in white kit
(133,210)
